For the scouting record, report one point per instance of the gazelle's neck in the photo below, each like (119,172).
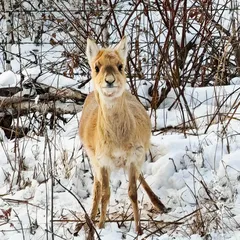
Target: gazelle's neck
(113,104)
(114,119)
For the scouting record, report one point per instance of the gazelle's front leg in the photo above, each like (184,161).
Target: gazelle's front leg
(132,193)
(96,197)
(105,195)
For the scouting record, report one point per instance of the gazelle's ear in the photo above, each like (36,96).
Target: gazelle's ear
(122,48)
(91,50)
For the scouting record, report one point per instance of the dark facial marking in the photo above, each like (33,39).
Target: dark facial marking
(109,69)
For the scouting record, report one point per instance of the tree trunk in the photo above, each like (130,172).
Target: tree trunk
(9,33)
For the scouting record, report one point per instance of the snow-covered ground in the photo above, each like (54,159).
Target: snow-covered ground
(193,165)
(196,175)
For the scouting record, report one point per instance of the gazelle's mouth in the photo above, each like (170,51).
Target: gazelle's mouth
(108,94)
(110,91)
(110,87)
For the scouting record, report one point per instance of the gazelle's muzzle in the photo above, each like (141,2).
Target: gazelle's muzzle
(109,81)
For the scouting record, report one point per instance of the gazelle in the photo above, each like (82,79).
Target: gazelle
(114,129)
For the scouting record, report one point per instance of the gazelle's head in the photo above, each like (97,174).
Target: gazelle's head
(107,66)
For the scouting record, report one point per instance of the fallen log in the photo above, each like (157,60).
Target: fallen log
(60,101)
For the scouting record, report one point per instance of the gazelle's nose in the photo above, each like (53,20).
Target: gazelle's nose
(110,81)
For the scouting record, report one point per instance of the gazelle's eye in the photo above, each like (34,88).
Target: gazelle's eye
(120,67)
(97,69)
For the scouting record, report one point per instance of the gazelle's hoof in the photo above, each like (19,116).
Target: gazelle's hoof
(167,210)
(78,227)
(101,224)
(160,207)
(139,230)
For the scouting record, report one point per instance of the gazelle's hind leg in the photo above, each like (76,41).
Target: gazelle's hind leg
(132,193)
(105,195)
(153,197)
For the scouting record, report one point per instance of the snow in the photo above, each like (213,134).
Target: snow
(8,79)
(235,81)
(57,81)
(230,166)
(183,167)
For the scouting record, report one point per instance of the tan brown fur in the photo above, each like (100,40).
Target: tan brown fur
(114,129)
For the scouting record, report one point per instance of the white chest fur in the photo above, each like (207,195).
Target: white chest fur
(119,158)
